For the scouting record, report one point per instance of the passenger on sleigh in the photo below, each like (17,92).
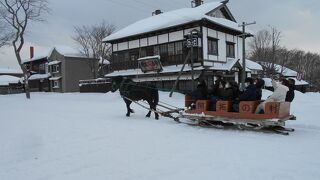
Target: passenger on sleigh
(249,94)
(279,95)
(201,93)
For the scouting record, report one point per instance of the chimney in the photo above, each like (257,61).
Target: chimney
(156,12)
(196,3)
(31,52)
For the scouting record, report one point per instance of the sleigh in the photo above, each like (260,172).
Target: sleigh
(272,120)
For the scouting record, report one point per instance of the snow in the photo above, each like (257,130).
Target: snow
(173,18)
(53,62)
(104,61)
(10,71)
(282,69)
(39,76)
(253,65)
(149,57)
(225,66)
(268,83)
(6,79)
(300,83)
(55,78)
(166,69)
(87,136)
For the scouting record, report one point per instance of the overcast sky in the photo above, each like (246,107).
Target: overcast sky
(298,20)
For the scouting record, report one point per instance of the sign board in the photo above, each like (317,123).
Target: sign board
(150,64)
(193,42)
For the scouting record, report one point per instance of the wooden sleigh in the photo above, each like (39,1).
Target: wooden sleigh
(273,119)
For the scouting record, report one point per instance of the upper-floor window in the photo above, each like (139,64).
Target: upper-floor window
(55,68)
(171,49)
(213,46)
(230,50)
(178,48)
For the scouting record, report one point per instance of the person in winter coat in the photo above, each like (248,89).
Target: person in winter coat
(229,93)
(259,85)
(290,93)
(279,95)
(201,92)
(250,93)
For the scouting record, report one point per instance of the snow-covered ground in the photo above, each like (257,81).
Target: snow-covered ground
(87,136)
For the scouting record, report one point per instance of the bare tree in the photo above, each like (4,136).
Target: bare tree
(259,45)
(18,14)
(90,39)
(264,48)
(275,39)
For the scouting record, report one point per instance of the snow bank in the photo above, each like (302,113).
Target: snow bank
(87,136)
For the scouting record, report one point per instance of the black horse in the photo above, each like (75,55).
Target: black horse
(135,92)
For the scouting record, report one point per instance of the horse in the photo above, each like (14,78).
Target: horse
(132,91)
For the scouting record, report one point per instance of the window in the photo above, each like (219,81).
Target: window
(213,46)
(171,49)
(163,50)
(126,56)
(56,84)
(156,50)
(230,50)
(42,67)
(150,51)
(178,48)
(134,54)
(55,68)
(143,52)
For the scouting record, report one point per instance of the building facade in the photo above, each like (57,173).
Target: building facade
(60,70)
(210,28)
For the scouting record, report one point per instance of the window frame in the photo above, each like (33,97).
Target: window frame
(216,41)
(228,45)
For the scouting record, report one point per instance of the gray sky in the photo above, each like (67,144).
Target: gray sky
(298,20)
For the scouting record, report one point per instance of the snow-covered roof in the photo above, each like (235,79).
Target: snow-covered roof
(39,76)
(267,82)
(300,83)
(253,65)
(53,62)
(10,71)
(6,79)
(166,69)
(174,18)
(55,78)
(104,61)
(287,72)
(166,78)
(149,57)
(225,66)
(63,50)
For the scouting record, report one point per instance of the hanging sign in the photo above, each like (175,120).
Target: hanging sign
(150,64)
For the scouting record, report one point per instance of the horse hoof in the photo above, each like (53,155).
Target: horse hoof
(148,116)
(157,118)
(128,115)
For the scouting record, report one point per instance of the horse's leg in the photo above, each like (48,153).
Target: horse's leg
(149,113)
(128,107)
(155,111)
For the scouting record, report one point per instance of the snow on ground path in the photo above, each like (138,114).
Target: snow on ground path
(87,136)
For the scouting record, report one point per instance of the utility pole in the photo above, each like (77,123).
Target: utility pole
(244,34)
